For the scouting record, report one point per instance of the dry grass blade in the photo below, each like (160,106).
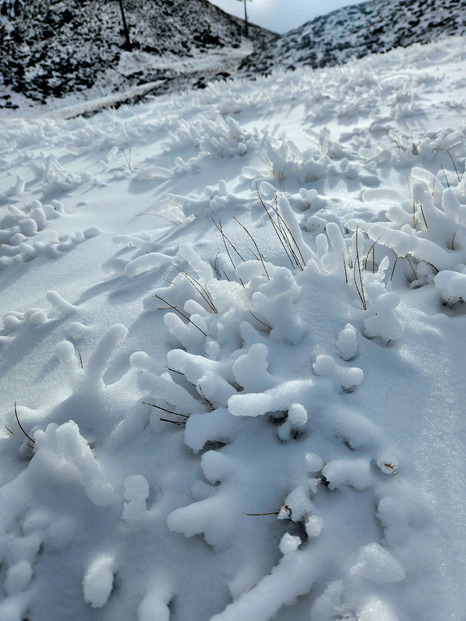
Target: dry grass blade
(445,175)
(284,234)
(274,226)
(173,422)
(205,398)
(259,514)
(373,256)
(225,240)
(165,409)
(80,358)
(412,267)
(424,216)
(260,321)
(278,232)
(256,246)
(22,429)
(205,295)
(173,371)
(320,471)
(180,313)
(359,289)
(344,266)
(453,162)
(217,273)
(280,218)
(392,467)
(394,265)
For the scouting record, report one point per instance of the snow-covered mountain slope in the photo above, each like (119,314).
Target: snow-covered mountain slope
(361,29)
(51,49)
(232,351)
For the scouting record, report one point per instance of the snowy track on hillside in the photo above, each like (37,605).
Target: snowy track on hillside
(232,351)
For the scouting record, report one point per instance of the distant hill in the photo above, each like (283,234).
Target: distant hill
(77,47)
(358,30)
(53,48)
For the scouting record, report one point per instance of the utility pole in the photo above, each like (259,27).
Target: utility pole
(246,26)
(129,44)
(246,19)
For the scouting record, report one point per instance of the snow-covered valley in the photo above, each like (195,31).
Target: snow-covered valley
(232,351)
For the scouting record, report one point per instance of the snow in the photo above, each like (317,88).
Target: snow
(231,353)
(98,582)
(377,565)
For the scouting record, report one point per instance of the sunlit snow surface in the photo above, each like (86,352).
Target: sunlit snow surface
(307,234)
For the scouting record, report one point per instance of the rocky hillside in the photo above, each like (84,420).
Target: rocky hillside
(358,30)
(52,48)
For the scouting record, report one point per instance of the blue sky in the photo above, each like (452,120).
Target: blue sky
(282,15)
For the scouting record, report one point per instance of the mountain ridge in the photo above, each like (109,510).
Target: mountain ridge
(53,49)
(357,30)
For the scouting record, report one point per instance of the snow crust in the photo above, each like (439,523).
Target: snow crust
(232,353)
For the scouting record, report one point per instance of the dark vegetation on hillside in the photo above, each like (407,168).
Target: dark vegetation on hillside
(355,31)
(54,48)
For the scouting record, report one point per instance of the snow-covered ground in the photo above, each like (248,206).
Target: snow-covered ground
(284,439)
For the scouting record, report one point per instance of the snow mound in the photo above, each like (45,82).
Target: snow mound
(243,398)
